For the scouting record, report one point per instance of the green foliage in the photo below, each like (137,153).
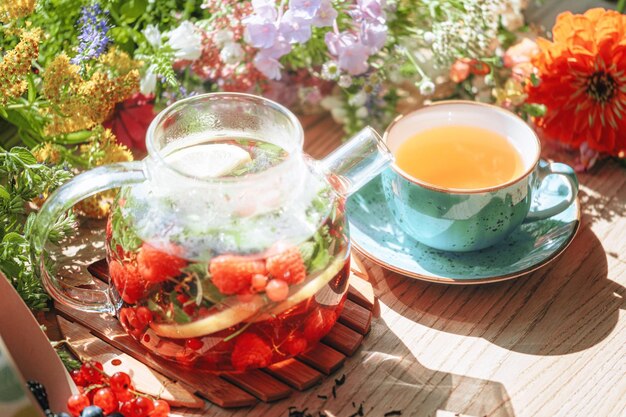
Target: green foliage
(21,180)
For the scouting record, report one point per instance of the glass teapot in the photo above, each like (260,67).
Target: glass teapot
(227,246)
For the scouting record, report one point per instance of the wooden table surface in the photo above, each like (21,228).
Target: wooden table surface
(550,343)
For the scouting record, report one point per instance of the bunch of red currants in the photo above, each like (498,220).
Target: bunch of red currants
(101,395)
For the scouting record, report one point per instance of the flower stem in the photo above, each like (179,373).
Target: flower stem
(621,5)
(419,69)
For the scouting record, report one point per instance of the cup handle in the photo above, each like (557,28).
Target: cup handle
(554,168)
(80,187)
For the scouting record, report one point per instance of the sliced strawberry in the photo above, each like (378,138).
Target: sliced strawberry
(251,352)
(156,265)
(128,281)
(288,266)
(233,274)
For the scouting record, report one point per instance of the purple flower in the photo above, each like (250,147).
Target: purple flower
(305,8)
(372,10)
(260,32)
(281,47)
(353,59)
(269,66)
(337,42)
(373,35)
(294,28)
(93,38)
(325,16)
(265,9)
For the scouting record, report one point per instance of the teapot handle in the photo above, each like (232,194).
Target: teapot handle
(63,199)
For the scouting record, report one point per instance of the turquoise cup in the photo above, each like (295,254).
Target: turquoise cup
(461,220)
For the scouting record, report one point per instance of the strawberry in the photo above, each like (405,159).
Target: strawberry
(251,352)
(294,344)
(157,266)
(287,265)
(233,274)
(319,323)
(128,281)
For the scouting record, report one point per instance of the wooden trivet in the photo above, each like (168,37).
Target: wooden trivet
(101,337)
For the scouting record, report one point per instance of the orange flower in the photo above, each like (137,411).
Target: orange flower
(583,81)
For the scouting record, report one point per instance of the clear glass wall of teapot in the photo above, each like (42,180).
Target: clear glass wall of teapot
(225,236)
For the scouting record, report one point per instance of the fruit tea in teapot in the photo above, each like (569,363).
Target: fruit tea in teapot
(227,246)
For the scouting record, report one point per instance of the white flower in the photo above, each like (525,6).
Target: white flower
(153,35)
(223,37)
(331,102)
(358,99)
(427,87)
(362,113)
(147,85)
(330,70)
(339,115)
(186,41)
(512,21)
(429,38)
(232,53)
(345,81)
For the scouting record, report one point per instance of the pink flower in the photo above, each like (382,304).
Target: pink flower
(460,70)
(267,65)
(260,32)
(337,42)
(305,8)
(374,35)
(295,29)
(325,16)
(353,58)
(518,58)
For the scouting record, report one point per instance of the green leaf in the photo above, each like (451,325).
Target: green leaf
(180,316)
(307,250)
(201,269)
(534,80)
(23,155)
(211,293)
(32,90)
(133,9)
(14,238)
(4,194)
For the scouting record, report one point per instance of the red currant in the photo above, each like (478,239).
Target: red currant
(141,407)
(105,399)
(194,344)
(126,408)
(161,409)
(125,395)
(144,315)
(77,377)
(92,372)
(76,403)
(119,381)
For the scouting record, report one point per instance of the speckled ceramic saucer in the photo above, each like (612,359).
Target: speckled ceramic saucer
(375,234)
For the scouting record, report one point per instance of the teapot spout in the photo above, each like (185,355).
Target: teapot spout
(357,161)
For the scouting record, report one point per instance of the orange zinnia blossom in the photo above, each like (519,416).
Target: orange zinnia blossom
(583,81)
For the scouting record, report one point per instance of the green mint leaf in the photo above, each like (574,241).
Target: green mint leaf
(200,269)
(307,250)
(534,80)
(180,316)
(211,293)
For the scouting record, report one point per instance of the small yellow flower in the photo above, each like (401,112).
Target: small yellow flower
(15,9)
(98,206)
(16,64)
(83,103)
(47,153)
(119,61)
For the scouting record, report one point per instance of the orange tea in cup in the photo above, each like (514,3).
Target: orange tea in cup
(460,157)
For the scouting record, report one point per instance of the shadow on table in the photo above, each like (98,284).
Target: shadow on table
(385,376)
(565,307)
